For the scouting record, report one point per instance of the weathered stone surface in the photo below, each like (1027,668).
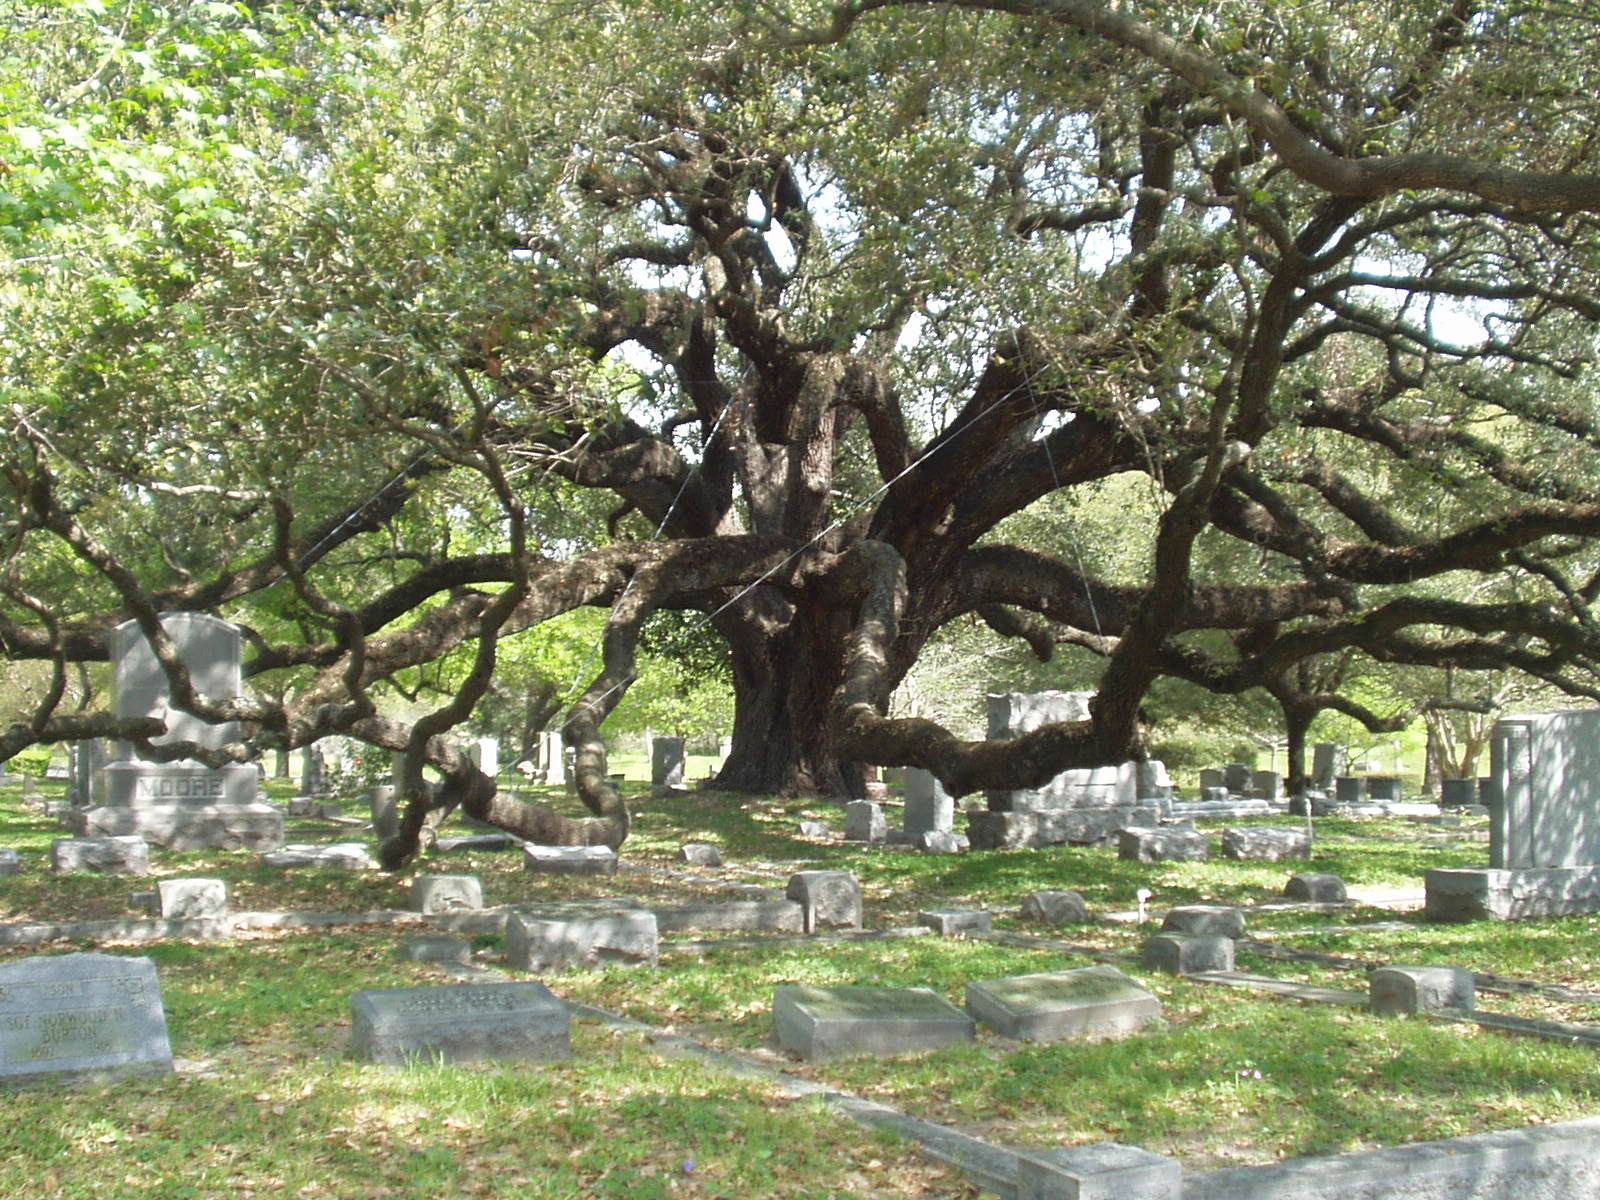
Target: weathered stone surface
(337,856)
(436,949)
(864,822)
(1103,1171)
(1327,764)
(1456,793)
(1156,845)
(1211,778)
(1412,990)
(104,855)
(1236,777)
(929,808)
(829,898)
(498,1021)
(70,1017)
(446,893)
(1079,827)
(1350,789)
(776,915)
(1544,799)
(935,842)
(1187,954)
(1490,895)
(191,899)
(700,854)
(1316,888)
(1265,843)
(1090,1002)
(666,761)
(1383,789)
(186,826)
(1056,908)
(580,933)
(10,863)
(385,812)
(570,860)
(827,1022)
(1268,785)
(1205,920)
(949,922)
(820,830)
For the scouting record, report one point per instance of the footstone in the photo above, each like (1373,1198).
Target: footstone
(446,893)
(477,841)
(819,830)
(700,854)
(948,922)
(496,1021)
(1412,990)
(826,1022)
(828,898)
(863,822)
(1205,920)
(1465,894)
(191,899)
(338,856)
(1090,1002)
(1265,843)
(570,860)
(1187,954)
(1056,908)
(1157,845)
(580,933)
(436,949)
(80,1016)
(937,842)
(302,806)
(929,808)
(106,855)
(1317,889)
(762,916)
(1103,1171)
(10,863)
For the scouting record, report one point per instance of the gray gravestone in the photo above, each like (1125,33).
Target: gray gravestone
(700,854)
(1205,920)
(1384,789)
(1173,842)
(191,899)
(825,1022)
(666,761)
(1057,908)
(570,860)
(1089,1002)
(80,1016)
(498,1021)
(1268,785)
(1316,888)
(457,951)
(1327,764)
(1412,990)
(1458,793)
(10,863)
(863,822)
(336,856)
(935,842)
(104,855)
(929,808)
(313,772)
(1265,843)
(830,898)
(1187,954)
(1236,777)
(1350,789)
(1211,778)
(181,805)
(485,755)
(819,830)
(1545,802)
(581,933)
(385,812)
(446,893)
(949,922)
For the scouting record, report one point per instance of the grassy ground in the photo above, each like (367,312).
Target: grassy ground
(267,1100)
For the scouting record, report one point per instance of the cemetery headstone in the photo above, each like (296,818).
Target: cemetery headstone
(1210,778)
(700,854)
(864,822)
(385,812)
(1187,954)
(1056,908)
(569,860)
(937,842)
(313,772)
(1412,990)
(1152,782)
(446,893)
(127,855)
(1384,789)
(826,1022)
(73,1017)
(1350,789)
(85,761)
(437,950)
(1327,764)
(666,761)
(1205,920)
(1173,842)
(581,933)
(10,863)
(820,830)
(1090,1002)
(1268,785)
(929,808)
(181,805)
(520,1021)
(1265,843)
(191,899)
(485,755)
(1316,888)
(949,922)
(1236,777)
(828,898)
(30,790)
(335,856)
(1458,793)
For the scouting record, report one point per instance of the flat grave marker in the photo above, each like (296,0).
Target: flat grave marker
(826,1022)
(463,1023)
(72,1017)
(1090,1002)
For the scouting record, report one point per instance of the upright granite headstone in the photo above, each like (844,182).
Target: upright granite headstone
(1236,777)
(80,1016)
(313,772)
(929,808)
(1327,764)
(182,805)
(666,761)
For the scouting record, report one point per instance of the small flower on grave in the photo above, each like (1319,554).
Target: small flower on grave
(688,1166)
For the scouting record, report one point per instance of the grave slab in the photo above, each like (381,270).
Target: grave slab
(1205,920)
(191,899)
(777,915)
(826,1022)
(1090,1002)
(570,860)
(1174,843)
(581,933)
(1316,889)
(104,855)
(337,856)
(499,1021)
(828,898)
(432,894)
(1057,908)
(1265,843)
(1102,1171)
(700,854)
(1411,990)
(1466,894)
(949,922)
(1187,954)
(436,949)
(72,1017)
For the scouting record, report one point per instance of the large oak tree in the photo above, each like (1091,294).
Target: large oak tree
(345,345)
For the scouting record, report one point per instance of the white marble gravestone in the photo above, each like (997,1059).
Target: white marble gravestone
(1546,812)
(182,805)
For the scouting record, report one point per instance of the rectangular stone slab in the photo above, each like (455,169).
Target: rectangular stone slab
(521,1021)
(826,1022)
(80,1016)
(1090,1002)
